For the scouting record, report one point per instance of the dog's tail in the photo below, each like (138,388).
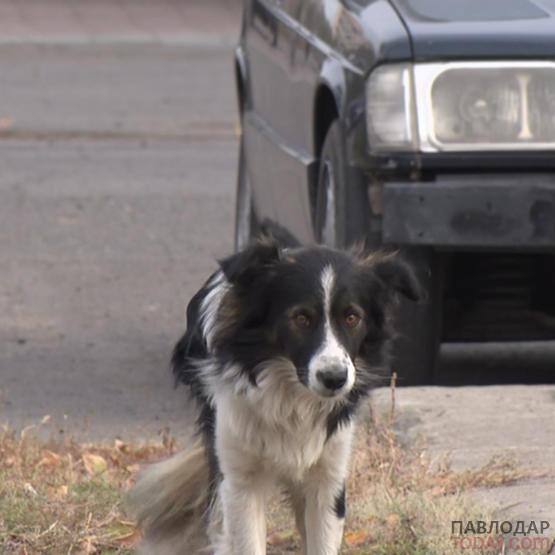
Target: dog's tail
(170,502)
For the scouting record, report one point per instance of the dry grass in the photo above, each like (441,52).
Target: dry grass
(65,497)
(61,497)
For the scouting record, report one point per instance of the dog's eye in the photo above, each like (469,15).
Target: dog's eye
(302,321)
(352,319)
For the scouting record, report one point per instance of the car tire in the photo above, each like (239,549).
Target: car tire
(340,218)
(416,347)
(246,225)
(340,202)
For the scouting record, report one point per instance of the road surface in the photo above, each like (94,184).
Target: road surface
(116,199)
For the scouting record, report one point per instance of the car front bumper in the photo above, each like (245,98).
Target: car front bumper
(472,211)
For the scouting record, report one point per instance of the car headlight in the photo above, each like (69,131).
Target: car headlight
(462,106)
(390,108)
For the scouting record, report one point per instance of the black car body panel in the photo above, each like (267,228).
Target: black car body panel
(475,29)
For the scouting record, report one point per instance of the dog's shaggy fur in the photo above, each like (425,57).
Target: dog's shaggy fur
(280,348)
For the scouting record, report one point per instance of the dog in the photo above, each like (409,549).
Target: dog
(281,347)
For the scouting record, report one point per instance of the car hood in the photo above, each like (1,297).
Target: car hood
(447,29)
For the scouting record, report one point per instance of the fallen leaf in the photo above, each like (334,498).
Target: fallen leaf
(94,464)
(49,459)
(393,520)
(10,461)
(437,491)
(129,540)
(59,493)
(356,537)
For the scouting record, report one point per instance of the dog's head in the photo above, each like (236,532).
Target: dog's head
(325,311)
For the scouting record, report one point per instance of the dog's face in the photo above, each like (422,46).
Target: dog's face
(323,310)
(318,319)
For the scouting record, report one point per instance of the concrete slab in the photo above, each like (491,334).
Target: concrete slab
(471,425)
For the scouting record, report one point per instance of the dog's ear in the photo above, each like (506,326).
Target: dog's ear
(396,274)
(244,267)
(399,276)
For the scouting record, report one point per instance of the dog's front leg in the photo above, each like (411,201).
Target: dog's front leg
(244,521)
(324,524)
(243,490)
(325,496)
(298,503)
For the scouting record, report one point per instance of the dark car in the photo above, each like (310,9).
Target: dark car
(425,125)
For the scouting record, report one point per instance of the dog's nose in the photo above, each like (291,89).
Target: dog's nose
(333,378)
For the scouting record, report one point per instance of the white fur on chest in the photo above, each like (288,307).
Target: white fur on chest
(276,424)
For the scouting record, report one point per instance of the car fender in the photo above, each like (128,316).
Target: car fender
(332,77)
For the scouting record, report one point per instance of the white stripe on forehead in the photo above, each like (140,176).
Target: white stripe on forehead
(328,281)
(331,353)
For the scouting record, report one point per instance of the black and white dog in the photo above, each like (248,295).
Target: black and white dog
(281,346)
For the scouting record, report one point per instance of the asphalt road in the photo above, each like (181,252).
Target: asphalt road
(116,197)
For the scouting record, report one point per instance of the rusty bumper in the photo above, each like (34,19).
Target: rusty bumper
(515,211)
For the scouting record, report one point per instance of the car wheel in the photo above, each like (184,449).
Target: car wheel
(340,218)
(418,325)
(246,226)
(340,200)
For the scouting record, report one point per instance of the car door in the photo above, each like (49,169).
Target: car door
(277,165)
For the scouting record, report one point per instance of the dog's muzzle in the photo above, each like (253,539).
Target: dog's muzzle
(332,379)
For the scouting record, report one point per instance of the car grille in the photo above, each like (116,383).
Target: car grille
(500,297)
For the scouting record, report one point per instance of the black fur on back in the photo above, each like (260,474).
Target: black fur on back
(189,351)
